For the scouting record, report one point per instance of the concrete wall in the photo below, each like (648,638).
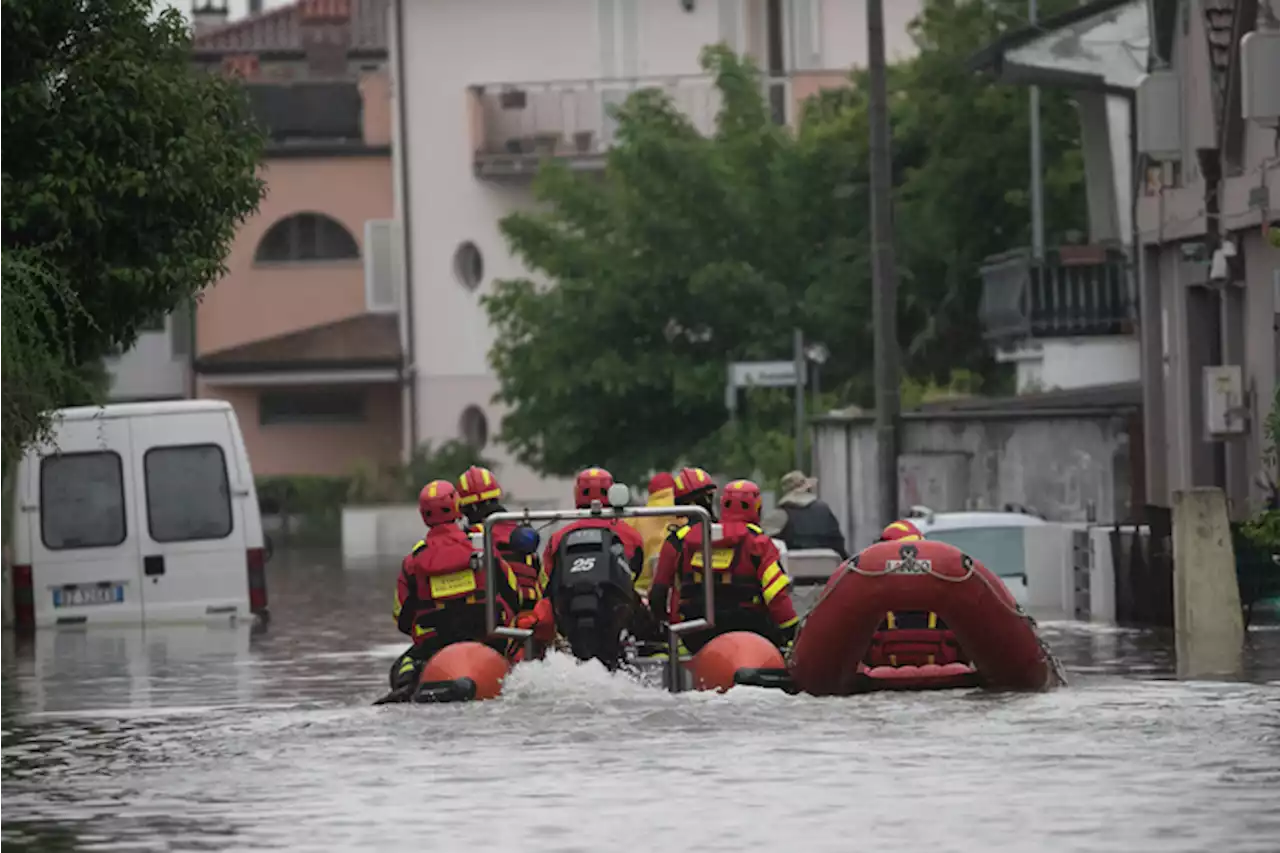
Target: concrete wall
(1067,468)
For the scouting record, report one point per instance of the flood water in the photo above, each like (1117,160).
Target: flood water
(212,739)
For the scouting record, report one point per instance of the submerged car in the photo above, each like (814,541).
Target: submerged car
(996,539)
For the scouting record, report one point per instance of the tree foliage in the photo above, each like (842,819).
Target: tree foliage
(695,250)
(126,173)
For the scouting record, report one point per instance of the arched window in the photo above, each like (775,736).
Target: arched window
(306,237)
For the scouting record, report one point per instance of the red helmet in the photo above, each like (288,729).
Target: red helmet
(740,501)
(692,480)
(592,485)
(478,484)
(438,503)
(900,530)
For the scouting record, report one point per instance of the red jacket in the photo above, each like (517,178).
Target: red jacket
(744,553)
(439,573)
(632,542)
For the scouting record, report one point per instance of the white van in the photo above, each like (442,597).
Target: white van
(138,513)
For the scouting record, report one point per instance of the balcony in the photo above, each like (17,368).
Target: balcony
(1075,291)
(515,126)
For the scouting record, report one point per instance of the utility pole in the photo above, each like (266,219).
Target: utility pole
(797,347)
(1037,168)
(884,270)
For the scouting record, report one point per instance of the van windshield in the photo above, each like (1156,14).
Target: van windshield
(1000,549)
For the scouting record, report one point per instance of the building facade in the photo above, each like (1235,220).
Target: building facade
(487,88)
(302,335)
(1193,131)
(1215,187)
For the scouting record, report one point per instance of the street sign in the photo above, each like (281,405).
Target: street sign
(757,374)
(762,374)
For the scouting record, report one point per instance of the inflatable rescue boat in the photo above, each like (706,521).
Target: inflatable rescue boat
(918,615)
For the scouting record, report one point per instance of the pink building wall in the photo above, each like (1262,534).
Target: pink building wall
(256,301)
(316,448)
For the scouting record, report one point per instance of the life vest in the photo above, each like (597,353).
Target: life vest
(445,574)
(913,638)
(734,564)
(528,567)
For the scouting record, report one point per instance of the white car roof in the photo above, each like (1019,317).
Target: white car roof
(965,520)
(133,410)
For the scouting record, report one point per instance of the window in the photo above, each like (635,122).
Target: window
(310,407)
(468,265)
(188,496)
(82,501)
(474,427)
(306,237)
(1000,549)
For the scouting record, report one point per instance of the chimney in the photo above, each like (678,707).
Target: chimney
(207,15)
(326,33)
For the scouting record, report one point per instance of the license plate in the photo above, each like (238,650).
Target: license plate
(450,585)
(88,596)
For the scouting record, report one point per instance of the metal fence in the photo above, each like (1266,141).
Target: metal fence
(574,119)
(1072,291)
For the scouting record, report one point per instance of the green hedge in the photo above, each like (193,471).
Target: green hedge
(310,505)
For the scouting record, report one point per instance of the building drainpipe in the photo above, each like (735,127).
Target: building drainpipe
(406,231)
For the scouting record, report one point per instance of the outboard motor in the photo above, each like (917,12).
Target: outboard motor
(592,593)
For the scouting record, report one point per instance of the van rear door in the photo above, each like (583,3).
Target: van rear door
(83,527)
(192,530)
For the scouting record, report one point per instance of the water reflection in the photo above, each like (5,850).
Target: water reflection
(215,738)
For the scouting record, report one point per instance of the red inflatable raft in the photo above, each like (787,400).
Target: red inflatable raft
(845,646)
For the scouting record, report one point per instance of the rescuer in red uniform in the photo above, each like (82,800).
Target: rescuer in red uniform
(480,495)
(752,592)
(591,567)
(911,637)
(440,592)
(900,531)
(693,487)
(590,485)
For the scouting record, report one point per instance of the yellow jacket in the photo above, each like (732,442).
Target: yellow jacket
(654,529)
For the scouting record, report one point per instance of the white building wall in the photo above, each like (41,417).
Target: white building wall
(149,370)
(1061,364)
(454,44)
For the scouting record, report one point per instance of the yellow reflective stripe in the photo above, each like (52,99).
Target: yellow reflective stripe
(891,620)
(755,528)
(543,579)
(771,591)
(793,620)
(395,610)
(511,579)
(486,476)
(683,532)
(770,574)
(422,543)
(419,631)
(406,665)
(933,622)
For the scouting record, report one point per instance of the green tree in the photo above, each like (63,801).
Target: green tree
(126,173)
(692,251)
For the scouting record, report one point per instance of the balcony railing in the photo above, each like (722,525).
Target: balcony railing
(515,126)
(1073,291)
